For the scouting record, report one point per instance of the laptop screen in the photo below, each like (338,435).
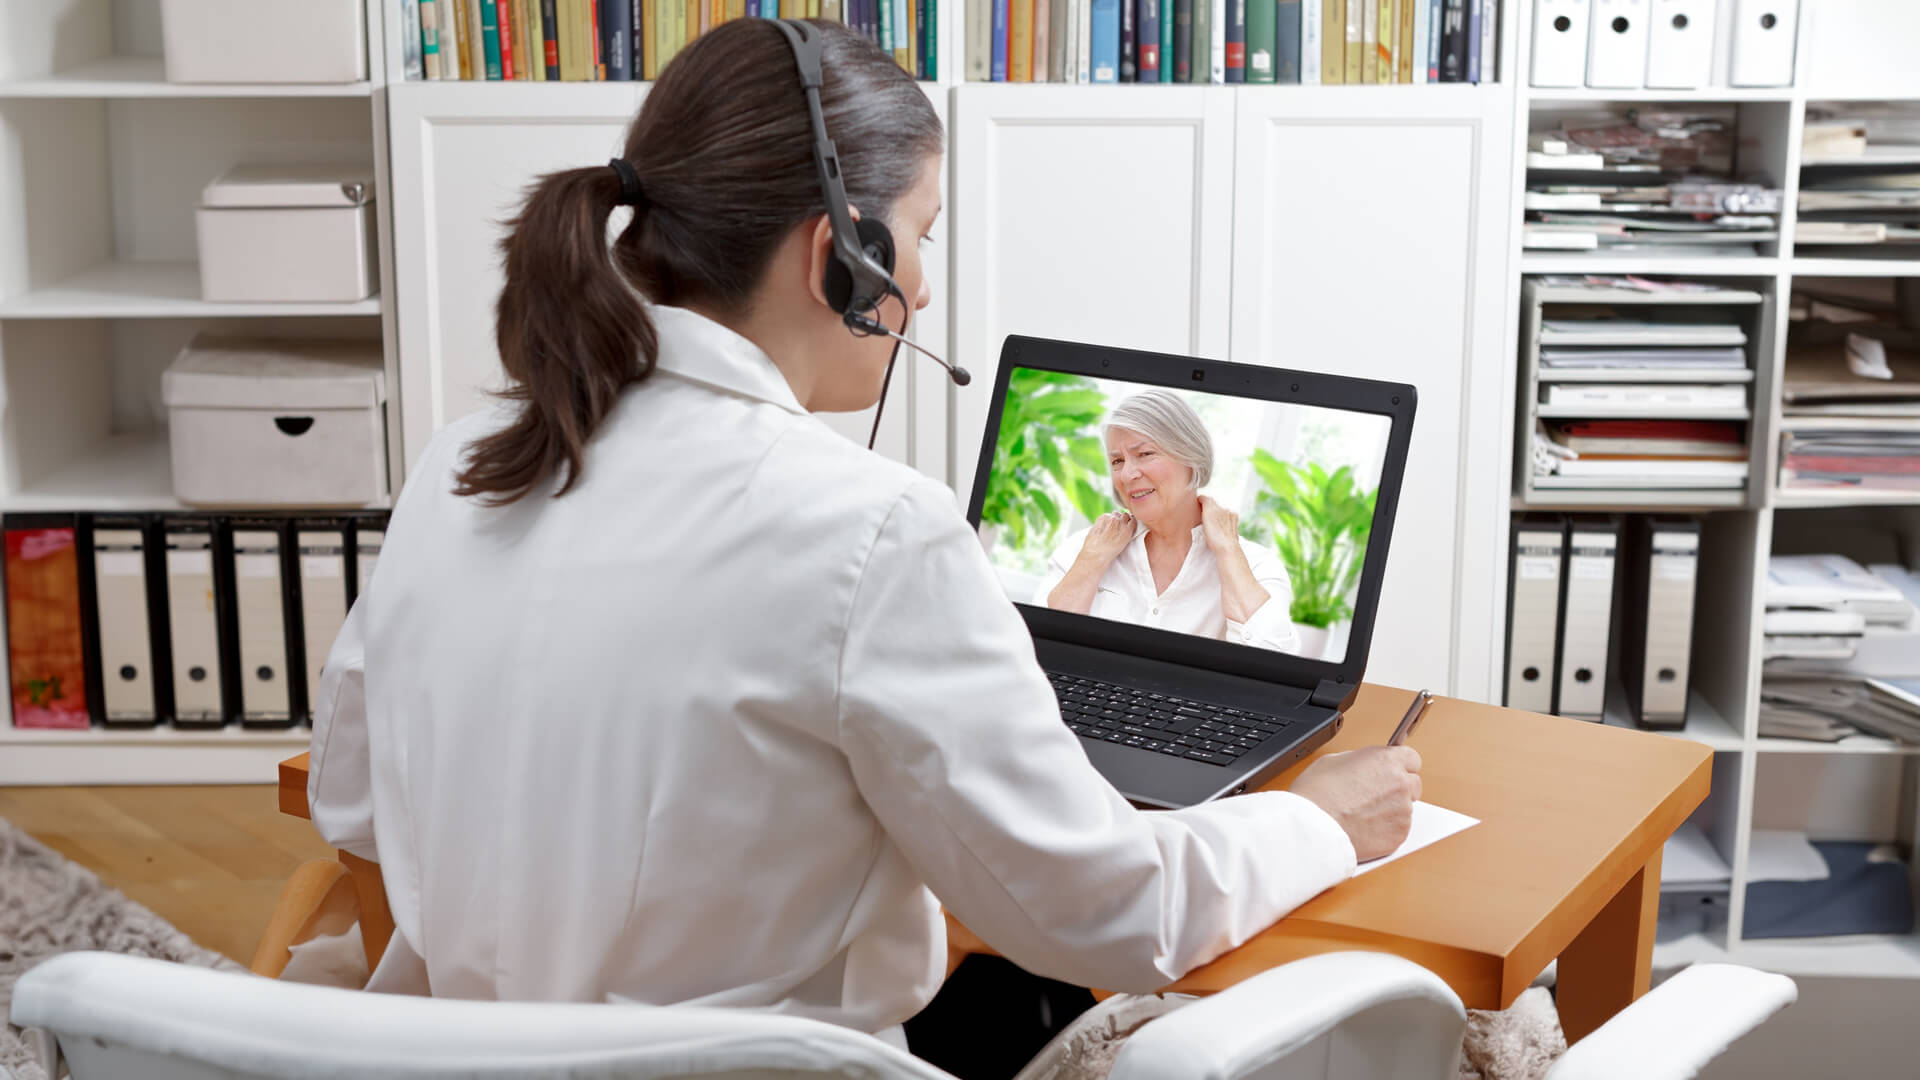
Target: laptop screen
(1235,519)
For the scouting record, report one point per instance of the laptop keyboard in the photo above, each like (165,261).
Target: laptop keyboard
(1166,725)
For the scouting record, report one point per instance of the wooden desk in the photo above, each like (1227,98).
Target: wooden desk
(1565,862)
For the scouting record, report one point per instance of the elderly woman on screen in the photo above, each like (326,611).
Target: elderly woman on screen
(1170,558)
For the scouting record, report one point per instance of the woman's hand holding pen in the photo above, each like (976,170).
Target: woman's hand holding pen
(1370,792)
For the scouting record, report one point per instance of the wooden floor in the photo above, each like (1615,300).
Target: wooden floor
(209,860)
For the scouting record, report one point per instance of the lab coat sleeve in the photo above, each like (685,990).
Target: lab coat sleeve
(340,777)
(1271,626)
(955,740)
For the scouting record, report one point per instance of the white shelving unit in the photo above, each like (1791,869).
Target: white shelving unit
(1859,788)
(101,165)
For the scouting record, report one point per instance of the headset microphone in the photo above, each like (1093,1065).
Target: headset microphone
(959,375)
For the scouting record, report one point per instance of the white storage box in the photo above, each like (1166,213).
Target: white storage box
(259,422)
(294,233)
(264,41)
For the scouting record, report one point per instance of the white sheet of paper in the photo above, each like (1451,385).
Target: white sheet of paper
(1430,824)
(1784,855)
(1691,859)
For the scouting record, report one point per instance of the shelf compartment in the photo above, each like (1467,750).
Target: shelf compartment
(125,473)
(1638,412)
(145,77)
(1704,722)
(1646,375)
(153,290)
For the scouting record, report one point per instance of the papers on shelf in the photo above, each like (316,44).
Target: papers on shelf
(1664,396)
(1729,358)
(1783,855)
(1638,332)
(1836,584)
(1690,860)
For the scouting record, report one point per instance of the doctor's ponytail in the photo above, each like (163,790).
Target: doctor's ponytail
(718,168)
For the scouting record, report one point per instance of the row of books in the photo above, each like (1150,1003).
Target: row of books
(626,40)
(1645,179)
(134,620)
(1317,42)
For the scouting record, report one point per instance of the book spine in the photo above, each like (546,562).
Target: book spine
(999,72)
(1383,47)
(930,31)
(636,42)
(490,37)
(1369,41)
(462,66)
(1148,29)
(1310,30)
(1237,41)
(412,47)
(616,22)
(1263,37)
(1202,60)
(1183,40)
(550,38)
(1453,46)
(1042,40)
(476,41)
(1214,69)
(913,40)
(979,40)
(1436,19)
(1286,42)
(1353,65)
(598,71)
(1473,41)
(1420,47)
(1129,41)
(1403,56)
(430,40)
(507,68)
(1105,47)
(903,36)
(1020,41)
(1166,41)
(1489,40)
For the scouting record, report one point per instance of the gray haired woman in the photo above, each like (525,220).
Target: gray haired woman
(1170,558)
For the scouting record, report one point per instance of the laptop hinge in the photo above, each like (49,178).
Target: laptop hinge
(1333,694)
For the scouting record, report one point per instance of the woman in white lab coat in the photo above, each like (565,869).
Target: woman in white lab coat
(666,692)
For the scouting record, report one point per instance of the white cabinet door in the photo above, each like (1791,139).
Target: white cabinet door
(1086,213)
(1370,240)
(463,157)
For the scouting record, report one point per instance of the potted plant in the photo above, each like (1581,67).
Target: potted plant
(1047,457)
(1318,522)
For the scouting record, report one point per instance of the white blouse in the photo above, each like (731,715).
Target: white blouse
(1191,604)
(728,724)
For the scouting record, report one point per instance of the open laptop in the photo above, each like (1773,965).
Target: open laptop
(1174,704)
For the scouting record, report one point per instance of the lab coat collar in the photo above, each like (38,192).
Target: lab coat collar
(695,347)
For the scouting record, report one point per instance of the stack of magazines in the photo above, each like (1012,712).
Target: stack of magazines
(1831,708)
(1647,180)
(1851,401)
(1859,179)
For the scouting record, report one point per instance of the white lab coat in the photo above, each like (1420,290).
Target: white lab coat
(1191,603)
(719,726)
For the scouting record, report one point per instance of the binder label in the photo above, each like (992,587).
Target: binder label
(257,566)
(1539,567)
(1674,567)
(1593,568)
(322,566)
(121,564)
(190,562)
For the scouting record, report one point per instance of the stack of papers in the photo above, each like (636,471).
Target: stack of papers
(1795,706)
(1819,606)
(1851,413)
(1860,179)
(1642,453)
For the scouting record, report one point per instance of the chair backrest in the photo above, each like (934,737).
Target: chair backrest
(121,1016)
(1339,1016)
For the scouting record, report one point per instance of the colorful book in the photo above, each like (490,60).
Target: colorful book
(1473,40)
(1333,41)
(550,38)
(1043,41)
(1236,41)
(46,636)
(1020,41)
(490,37)
(1403,53)
(1387,35)
(508,70)
(461,37)
(1353,66)
(476,42)
(1262,38)
(1147,18)
(1453,44)
(1166,41)
(1000,9)
(1104,46)
(430,40)
(1436,19)
(1183,40)
(1129,41)
(1203,20)
(616,28)
(410,41)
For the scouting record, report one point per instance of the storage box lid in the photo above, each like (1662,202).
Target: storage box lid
(290,185)
(263,373)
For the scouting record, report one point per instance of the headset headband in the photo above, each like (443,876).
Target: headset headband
(871,282)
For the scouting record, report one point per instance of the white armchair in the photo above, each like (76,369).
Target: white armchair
(1335,1016)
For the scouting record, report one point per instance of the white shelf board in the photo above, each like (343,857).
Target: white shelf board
(224,758)
(1704,722)
(163,735)
(152,290)
(1852,744)
(1855,956)
(1643,375)
(1890,155)
(145,77)
(124,473)
(1706,95)
(1639,262)
(1632,499)
(1857,266)
(1639,412)
(1801,499)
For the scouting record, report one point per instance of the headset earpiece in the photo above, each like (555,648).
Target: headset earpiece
(876,240)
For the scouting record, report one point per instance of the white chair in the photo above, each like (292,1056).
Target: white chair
(1341,1015)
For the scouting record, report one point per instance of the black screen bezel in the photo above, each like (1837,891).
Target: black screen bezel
(1395,401)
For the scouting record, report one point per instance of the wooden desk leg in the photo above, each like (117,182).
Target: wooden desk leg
(1610,964)
(376,919)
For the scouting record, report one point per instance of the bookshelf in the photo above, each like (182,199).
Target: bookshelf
(101,165)
(1859,788)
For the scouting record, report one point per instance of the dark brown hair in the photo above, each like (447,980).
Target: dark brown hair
(723,150)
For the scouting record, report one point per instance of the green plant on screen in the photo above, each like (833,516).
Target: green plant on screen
(1318,521)
(1047,457)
